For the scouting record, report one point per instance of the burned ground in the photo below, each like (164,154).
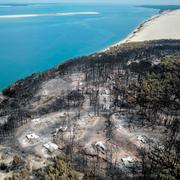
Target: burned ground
(115,111)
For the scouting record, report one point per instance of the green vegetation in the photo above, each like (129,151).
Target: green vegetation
(59,170)
(160,91)
(23,174)
(162,88)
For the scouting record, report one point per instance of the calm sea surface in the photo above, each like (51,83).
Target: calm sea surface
(34,38)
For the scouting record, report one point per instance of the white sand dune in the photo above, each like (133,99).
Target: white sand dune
(164,26)
(161,26)
(46,15)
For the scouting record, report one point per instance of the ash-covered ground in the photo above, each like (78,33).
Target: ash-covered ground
(104,108)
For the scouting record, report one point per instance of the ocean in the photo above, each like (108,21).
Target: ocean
(37,37)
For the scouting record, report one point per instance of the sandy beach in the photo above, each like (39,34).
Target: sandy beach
(165,25)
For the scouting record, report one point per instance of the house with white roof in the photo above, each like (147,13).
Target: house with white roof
(51,147)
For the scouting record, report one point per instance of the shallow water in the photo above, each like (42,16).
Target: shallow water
(37,37)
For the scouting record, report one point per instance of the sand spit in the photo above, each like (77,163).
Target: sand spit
(46,15)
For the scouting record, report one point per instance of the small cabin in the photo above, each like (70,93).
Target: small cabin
(51,147)
(61,128)
(32,136)
(36,120)
(142,139)
(100,146)
(127,161)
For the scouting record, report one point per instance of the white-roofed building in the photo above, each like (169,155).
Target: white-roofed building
(127,160)
(61,128)
(142,139)
(32,136)
(51,147)
(100,146)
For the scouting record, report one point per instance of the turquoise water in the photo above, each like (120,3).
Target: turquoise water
(34,44)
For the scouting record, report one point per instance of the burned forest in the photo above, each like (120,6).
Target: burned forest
(110,115)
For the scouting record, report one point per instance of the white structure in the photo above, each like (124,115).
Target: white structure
(100,146)
(161,147)
(36,120)
(51,146)
(127,160)
(142,139)
(3,120)
(32,136)
(56,132)
(61,128)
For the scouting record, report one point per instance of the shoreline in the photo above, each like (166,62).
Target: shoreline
(127,39)
(138,29)
(131,34)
